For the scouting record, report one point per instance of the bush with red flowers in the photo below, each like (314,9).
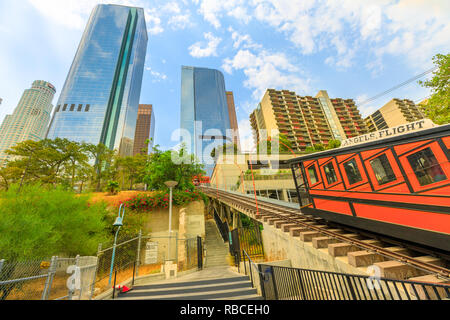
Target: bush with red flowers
(146,202)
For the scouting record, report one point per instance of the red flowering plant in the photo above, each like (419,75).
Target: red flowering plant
(146,202)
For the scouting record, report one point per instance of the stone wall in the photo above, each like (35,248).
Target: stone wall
(279,245)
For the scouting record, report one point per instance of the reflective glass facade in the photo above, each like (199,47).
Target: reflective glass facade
(204,112)
(100,98)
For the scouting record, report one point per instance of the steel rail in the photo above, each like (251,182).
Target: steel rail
(249,203)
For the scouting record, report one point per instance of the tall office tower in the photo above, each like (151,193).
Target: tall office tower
(30,119)
(145,129)
(306,121)
(394,113)
(100,98)
(204,113)
(233,119)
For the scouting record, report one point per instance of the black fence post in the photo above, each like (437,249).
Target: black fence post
(261,282)
(302,284)
(199,253)
(114,287)
(274,283)
(352,291)
(243,259)
(134,272)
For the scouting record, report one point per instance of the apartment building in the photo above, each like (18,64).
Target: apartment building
(394,113)
(308,120)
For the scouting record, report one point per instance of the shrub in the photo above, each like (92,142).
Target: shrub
(145,202)
(41,222)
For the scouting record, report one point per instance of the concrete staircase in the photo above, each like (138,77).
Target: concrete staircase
(226,285)
(217,252)
(217,281)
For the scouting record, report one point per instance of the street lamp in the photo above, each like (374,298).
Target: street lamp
(119,224)
(170,185)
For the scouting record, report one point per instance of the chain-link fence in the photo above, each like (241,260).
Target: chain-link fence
(47,279)
(85,278)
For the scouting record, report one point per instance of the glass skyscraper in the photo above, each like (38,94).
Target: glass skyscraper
(204,113)
(100,98)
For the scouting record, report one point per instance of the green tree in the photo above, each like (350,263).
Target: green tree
(281,142)
(227,148)
(41,222)
(333,144)
(172,165)
(103,157)
(437,107)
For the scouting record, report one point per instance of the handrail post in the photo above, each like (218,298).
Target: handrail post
(261,282)
(99,249)
(274,283)
(138,255)
(48,282)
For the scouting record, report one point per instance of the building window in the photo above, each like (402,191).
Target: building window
(352,171)
(383,170)
(312,175)
(58,108)
(88,107)
(330,173)
(72,107)
(65,107)
(80,107)
(426,167)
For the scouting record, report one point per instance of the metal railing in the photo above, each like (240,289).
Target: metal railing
(284,283)
(223,227)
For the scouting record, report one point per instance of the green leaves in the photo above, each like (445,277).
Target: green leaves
(437,108)
(147,202)
(41,222)
(171,166)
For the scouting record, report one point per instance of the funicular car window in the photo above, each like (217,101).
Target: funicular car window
(330,173)
(382,169)
(313,174)
(426,167)
(352,171)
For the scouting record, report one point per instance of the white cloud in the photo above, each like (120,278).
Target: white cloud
(198,50)
(180,22)
(158,77)
(212,10)
(244,41)
(266,70)
(414,29)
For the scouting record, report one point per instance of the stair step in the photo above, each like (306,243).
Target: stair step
(193,283)
(188,290)
(224,294)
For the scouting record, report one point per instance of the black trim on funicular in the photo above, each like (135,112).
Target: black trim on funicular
(389,204)
(444,148)
(376,154)
(429,238)
(417,148)
(402,170)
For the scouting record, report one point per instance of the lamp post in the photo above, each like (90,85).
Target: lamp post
(119,224)
(170,185)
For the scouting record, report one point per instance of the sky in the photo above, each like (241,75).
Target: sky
(353,49)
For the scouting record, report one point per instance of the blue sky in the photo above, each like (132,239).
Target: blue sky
(352,49)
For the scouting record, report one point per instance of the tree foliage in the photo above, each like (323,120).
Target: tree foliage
(41,221)
(332,144)
(280,143)
(176,166)
(437,108)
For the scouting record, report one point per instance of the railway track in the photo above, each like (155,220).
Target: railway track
(323,233)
